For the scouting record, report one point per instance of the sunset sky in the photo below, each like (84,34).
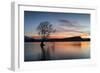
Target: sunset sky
(66,24)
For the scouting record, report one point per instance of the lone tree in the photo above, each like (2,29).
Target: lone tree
(44,30)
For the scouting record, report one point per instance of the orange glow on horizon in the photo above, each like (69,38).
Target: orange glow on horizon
(64,35)
(85,35)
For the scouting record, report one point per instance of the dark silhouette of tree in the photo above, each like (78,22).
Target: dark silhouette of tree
(44,30)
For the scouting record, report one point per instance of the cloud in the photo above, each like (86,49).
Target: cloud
(70,23)
(64,29)
(70,26)
(65,23)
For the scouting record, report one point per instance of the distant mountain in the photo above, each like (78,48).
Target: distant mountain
(76,38)
(28,39)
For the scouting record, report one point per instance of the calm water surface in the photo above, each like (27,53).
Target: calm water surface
(57,50)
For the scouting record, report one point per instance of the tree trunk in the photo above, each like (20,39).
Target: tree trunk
(43,51)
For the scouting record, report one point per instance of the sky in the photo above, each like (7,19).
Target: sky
(66,24)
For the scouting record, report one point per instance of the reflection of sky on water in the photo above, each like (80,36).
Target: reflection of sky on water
(58,50)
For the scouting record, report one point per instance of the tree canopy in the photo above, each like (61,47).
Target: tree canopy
(45,29)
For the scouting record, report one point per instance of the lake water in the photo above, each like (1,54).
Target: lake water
(57,50)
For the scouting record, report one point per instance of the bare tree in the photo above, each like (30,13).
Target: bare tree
(44,30)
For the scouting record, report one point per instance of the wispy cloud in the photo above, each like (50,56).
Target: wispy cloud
(70,23)
(71,26)
(64,29)
(65,23)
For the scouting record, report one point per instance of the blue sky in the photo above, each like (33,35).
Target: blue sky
(62,22)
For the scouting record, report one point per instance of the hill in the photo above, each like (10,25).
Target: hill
(73,39)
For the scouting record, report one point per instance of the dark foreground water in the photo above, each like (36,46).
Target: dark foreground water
(57,51)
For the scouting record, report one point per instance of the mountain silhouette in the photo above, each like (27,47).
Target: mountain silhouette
(75,38)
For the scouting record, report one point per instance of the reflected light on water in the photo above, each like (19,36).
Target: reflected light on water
(57,50)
